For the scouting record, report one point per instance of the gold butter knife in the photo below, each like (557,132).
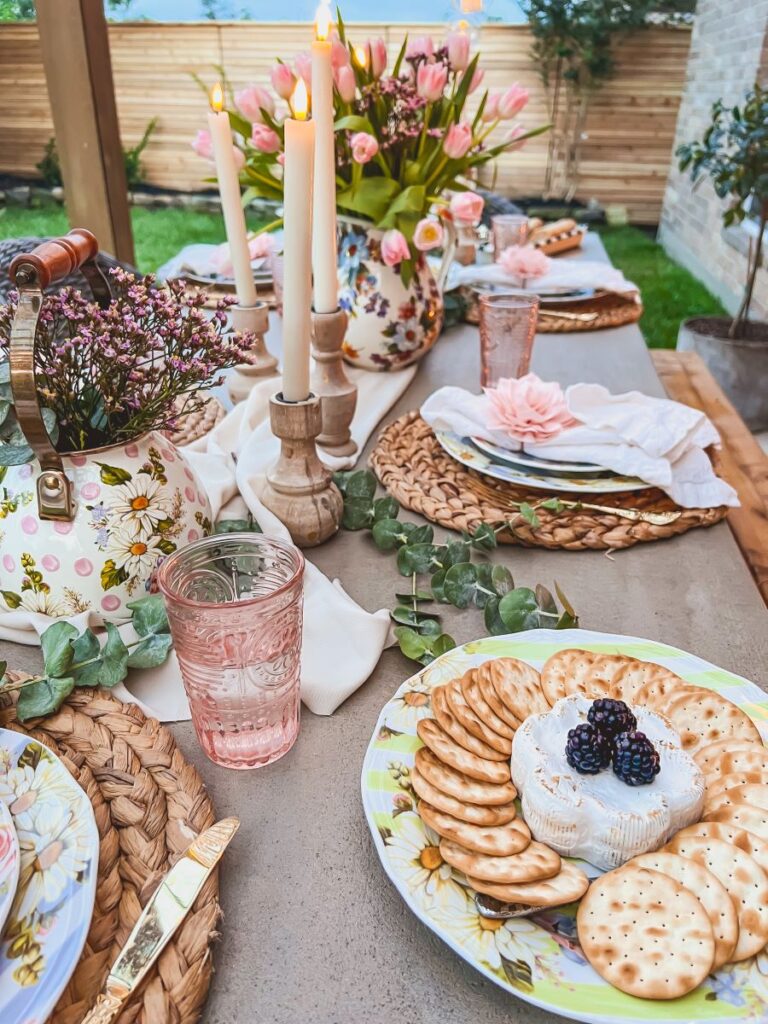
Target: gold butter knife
(169,905)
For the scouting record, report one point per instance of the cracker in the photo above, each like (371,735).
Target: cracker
(710,893)
(749,759)
(455,756)
(518,686)
(535,862)
(645,933)
(443,710)
(661,689)
(470,687)
(484,675)
(751,819)
(744,880)
(495,841)
(628,680)
(753,793)
(707,717)
(475,814)
(719,784)
(460,785)
(745,841)
(465,714)
(568,885)
(706,757)
(570,671)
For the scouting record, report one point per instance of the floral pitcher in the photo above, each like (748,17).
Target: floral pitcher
(85,530)
(391,325)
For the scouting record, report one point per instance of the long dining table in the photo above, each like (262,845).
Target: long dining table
(313,930)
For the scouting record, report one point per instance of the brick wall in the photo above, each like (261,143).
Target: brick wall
(729,51)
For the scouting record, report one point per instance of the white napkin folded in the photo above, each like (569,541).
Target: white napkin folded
(570,274)
(201,259)
(660,441)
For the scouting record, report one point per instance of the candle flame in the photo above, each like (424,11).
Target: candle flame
(471,6)
(462,25)
(361,57)
(217,98)
(323,21)
(300,101)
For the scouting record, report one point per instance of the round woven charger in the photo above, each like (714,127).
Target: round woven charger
(611,310)
(197,424)
(149,804)
(410,463)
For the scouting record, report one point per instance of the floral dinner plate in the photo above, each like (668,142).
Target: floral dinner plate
(536,958)
(51,912)
(9,862)
(546,467)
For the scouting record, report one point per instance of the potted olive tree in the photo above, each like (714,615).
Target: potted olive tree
(734,153)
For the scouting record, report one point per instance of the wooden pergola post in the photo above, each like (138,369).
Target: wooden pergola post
(78,70)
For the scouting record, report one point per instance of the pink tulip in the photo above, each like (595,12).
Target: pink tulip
(457,141)
(430,81)
(421,46)
(303,62)
(428,235)
(394,248)
(265,139)
(377,57)
(202,144)
(528,409)
(467,207)
(339,54)
(345,83)
(491,108)
(283,81)
(523,262)
(250,102)
(477,76)
(239,158)
(458,50)
(364,147)
(512,101)
(515,132)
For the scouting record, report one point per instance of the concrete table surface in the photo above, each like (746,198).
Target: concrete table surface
(313,931)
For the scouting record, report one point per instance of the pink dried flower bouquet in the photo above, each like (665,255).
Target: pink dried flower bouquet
(106,376)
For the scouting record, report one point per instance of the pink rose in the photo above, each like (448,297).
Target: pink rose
(528,409)
(420,46)
(261,246)
(512,101)
(202,144)
(364,147)
(477,76)
(428,235)
(283,81)
(339,53)
(303,62)
(491,108)
(430,81)
(377,56)
(250,102)
(345,83)
(524,262)
(458,50)
(265,139)
(457,140)
(467,207)
(394,248)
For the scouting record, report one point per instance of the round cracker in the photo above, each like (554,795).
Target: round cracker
(707,717)
(744,880)
(495,841)
(484,677)
(749,759)
(571,671)
(753,793)
(710,893)
(645,933)
(443,710)
(461,786)
(473,695)
(662,688)
(628,680)
(518,686)
(474,814)
(706,757)
(751,819)
(719,784)
(745,841)
(535,862)
(473,722)
(455,756)
(568,885)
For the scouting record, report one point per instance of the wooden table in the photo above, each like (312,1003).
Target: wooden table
(313,931)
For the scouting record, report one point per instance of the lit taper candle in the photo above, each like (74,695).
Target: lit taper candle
(324,203)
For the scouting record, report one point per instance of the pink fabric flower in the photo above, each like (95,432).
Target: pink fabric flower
(339,54)
(528,409)
(283,81)
(303,63)
(430,81)
(512,101)
(458,50)
(477,76)
(524,262)
(250,102)
(202,144)
(491,108)
(457,140)
(420,46)
(364,147)
(261,246)
(467,207)
(345,83)
(394,248)
(377,56)
(265,139)
(428,235)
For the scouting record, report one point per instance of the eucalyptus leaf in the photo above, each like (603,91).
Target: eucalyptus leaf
(553,505)
(529,515)
(43,697)
(484,538)
(149,615)
(248,525)
(441,645)
(415,558)
(484,589)
(460,584)
(361,484)
(341,478)
(15,454)
(151,652)
(358,513)
(114,658)
(518,610)
(56,646)
(456,551)
(501,580)
(385,508)
(493,621)
(419,595)
(566,621)
(420,534)
(429,627)
(544,600)
(565,602)
(86,648)
(411,644)
(437,583)
(408,617)
(389,534)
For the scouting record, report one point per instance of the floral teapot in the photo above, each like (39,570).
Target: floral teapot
(84,531)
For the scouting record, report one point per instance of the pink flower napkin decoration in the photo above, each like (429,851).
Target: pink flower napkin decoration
(524,262)
(528,409)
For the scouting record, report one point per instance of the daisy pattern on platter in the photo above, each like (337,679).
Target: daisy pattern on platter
(414,851)
(22,786)
(133,551)
(141,502)
(408,707)
(491,940)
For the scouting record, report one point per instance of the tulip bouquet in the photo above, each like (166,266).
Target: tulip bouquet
(404,138)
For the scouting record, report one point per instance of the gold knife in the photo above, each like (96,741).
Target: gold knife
(169,905)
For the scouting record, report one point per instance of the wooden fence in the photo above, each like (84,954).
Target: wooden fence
(626,154)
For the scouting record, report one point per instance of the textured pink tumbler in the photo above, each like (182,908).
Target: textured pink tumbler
(507,330)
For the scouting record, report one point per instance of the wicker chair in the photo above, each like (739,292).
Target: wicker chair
(10,247)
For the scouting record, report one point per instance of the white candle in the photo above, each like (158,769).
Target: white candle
(324,203)
(297,250)
(229,190)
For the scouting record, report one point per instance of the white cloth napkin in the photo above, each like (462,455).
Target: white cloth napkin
(200,259)
(571,274)
(341,641)
(655,439)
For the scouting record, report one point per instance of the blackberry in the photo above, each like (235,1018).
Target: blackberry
(635,759)
(611,717)
(587,750)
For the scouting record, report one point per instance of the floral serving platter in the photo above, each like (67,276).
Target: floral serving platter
(463,450)
(9,862)
(548,467)
(46,929)
(536,958)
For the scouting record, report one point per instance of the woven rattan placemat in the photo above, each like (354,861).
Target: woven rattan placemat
(610,310)
(410,463)
(149,804)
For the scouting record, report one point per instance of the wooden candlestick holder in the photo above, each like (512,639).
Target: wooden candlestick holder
(261,363)
(300,489)
(337,394)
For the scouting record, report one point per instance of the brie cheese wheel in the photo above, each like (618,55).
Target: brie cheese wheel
(599,818)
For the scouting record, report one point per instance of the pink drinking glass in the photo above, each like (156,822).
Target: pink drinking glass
(508,229)
(507,330)
(235,608)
